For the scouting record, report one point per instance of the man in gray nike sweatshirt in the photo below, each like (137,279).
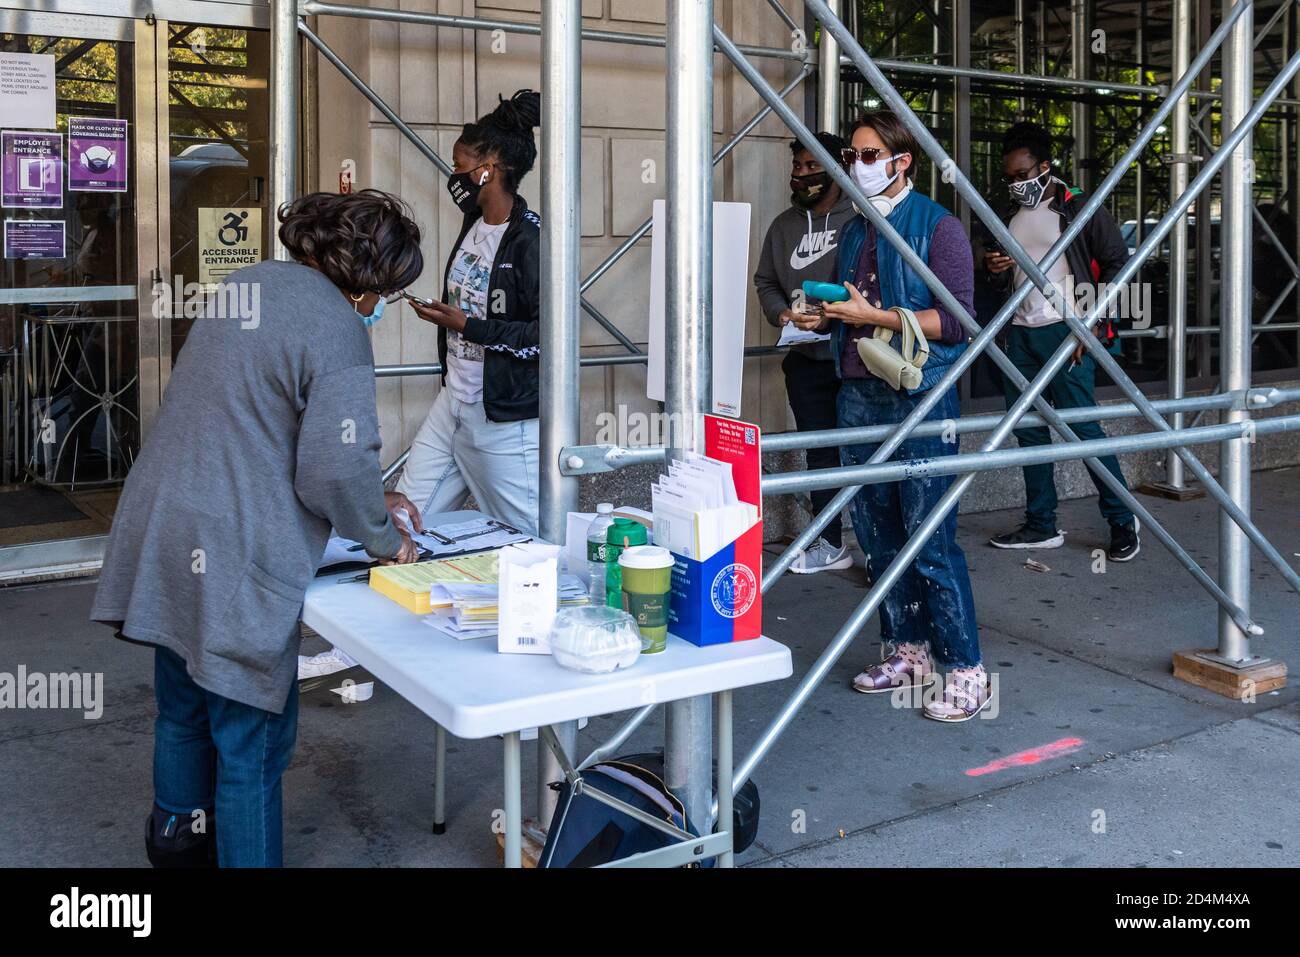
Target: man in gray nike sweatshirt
(801,244)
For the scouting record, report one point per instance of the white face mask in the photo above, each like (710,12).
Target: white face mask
(873,179)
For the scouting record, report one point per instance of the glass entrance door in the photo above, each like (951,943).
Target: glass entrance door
(112,204)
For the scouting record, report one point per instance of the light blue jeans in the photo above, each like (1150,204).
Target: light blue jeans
(459,451)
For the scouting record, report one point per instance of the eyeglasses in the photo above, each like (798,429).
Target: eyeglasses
(868,155)
(1024,176)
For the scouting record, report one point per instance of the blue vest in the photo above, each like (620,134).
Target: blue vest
(915,219)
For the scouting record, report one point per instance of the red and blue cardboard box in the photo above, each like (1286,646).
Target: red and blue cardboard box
(720,599)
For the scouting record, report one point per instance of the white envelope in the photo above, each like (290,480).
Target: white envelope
(527,597)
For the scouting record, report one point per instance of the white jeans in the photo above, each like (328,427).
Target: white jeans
(459,451)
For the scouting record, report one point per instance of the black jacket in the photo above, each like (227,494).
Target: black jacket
(510,334)
(1096,255)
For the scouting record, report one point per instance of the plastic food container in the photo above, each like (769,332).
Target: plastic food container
(595,639)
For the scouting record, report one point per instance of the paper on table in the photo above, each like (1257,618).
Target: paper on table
(466,568)
(792,335)
(474,535)
(339,551)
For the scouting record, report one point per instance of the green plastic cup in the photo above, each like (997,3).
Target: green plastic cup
(624,533)
(647,572)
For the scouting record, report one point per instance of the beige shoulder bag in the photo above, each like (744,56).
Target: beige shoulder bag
(900,371)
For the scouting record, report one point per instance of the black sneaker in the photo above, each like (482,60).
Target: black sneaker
(1027,536)
(1124,542)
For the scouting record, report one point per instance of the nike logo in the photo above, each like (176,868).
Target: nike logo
(822,243)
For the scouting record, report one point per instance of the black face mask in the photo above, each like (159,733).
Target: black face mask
(807,191)
(464,190)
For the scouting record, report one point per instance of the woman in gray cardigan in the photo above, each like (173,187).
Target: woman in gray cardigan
(267,437)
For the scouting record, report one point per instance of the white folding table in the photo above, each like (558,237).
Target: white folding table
(471,690)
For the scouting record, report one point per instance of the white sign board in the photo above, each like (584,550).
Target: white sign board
(230,238)
(730,295)
(27,90)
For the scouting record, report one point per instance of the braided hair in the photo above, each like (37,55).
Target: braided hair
(507,134)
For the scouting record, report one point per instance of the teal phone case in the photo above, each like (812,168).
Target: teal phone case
(825,291)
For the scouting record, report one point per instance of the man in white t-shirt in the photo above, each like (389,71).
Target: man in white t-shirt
(1044,208)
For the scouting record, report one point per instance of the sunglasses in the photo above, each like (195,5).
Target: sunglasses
(868,155)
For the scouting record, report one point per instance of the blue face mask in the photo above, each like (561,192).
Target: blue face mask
(374,317)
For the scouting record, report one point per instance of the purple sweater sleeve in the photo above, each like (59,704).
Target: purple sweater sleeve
(953,263)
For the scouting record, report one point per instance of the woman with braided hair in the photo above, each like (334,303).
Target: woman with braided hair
(481,435)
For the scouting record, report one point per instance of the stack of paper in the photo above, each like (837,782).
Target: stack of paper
(696,510)
(471,610)
(409,585)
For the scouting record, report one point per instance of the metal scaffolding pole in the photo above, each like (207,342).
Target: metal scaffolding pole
(1022,52)
(1080,69)
(561,222)
(609,458)
(285,47)
(965,463)
(1234,321)
(828,79)
(961,118)
(1178,250)
(688,301)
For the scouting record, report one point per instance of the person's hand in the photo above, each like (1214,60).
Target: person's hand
(408,553)
(396,502)
(786,317)
(856,311)
(811,321)
(1080,349)
(441,314)
(998,262)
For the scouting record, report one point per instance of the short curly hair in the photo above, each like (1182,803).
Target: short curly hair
(1032,138)
(363,242)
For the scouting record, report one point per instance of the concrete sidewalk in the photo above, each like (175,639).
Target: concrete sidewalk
(1096,757)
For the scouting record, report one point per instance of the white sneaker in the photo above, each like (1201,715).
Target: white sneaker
(326,663)
(821,556)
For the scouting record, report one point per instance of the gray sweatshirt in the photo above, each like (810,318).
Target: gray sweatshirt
(799,245)
(266,437)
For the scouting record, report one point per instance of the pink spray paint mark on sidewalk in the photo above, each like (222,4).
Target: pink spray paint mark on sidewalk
(1043,752)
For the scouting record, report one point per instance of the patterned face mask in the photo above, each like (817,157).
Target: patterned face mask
(1030,192)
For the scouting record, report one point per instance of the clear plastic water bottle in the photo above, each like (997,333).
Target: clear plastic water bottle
(596,551)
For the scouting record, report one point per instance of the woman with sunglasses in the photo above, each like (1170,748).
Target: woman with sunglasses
(267,437)
(927,620)
(481,435)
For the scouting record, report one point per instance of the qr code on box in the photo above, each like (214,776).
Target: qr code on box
(751,436)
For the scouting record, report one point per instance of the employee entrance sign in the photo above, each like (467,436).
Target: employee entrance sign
(230,238)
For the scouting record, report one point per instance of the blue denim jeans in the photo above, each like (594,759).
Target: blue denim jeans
(932,601)
(219,755)
(1030,348)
